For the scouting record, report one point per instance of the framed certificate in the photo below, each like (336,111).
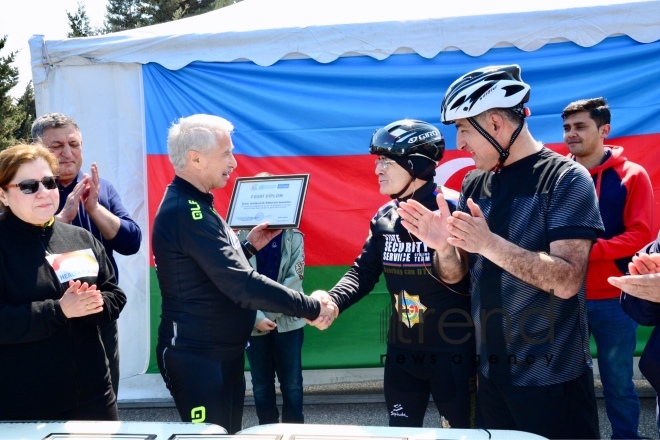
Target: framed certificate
(278,200)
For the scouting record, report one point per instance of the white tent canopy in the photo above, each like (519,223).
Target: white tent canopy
(265,31)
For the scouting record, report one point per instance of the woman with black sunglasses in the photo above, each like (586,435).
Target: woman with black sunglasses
(56,286)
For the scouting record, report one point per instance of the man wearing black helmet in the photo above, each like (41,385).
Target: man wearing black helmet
(525,222)
(431,339)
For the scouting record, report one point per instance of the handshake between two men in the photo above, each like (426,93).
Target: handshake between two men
(329,310)
(260,236)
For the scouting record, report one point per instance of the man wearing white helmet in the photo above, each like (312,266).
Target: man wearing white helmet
(526,220)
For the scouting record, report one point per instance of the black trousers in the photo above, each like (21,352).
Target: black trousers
(104,407)
(204,388)
(559,411)
(411,377)
(110,338)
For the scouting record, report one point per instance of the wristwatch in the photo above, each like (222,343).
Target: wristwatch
(249,248)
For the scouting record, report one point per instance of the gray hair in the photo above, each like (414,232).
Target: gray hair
(51,120)
(197,132)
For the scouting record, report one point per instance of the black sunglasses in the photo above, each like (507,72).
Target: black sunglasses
(31,186)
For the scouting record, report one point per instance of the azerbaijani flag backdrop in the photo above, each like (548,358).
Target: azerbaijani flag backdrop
(299,116)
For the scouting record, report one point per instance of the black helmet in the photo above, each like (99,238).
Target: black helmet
(408,137)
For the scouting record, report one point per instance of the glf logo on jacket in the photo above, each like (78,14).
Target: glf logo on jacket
(73,265)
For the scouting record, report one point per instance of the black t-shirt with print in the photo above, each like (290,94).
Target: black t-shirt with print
(426,314)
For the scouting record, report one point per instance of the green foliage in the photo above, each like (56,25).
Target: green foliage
(122,15)
(79,23)
(10,115)
(162,11)
(8,74)
(130,14)
(222,3)
(28,110)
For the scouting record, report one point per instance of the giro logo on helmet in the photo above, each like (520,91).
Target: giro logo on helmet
(423,136)
(408,137)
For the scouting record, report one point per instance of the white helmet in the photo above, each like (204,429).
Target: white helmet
(484,89)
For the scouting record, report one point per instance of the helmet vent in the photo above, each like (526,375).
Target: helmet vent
(512,89)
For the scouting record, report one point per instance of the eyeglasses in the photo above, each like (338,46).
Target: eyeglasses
(31,186)
(383,163)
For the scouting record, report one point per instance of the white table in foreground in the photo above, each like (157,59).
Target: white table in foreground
(34,430)
(287,431)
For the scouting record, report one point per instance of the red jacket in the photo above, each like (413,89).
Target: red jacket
(625,199)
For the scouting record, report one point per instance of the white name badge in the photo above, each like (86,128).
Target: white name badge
(73,265)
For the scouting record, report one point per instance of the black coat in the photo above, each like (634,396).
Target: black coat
(48,363)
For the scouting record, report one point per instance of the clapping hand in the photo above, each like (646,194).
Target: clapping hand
(429,226)
(644,279)
(81,299)
(87,191)
(90,196)
(470,232)
(70,208)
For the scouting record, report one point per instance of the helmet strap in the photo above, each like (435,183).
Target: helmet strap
(403,191)
(504,154)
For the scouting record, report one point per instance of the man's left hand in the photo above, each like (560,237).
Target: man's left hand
(259,236)
(470,232)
